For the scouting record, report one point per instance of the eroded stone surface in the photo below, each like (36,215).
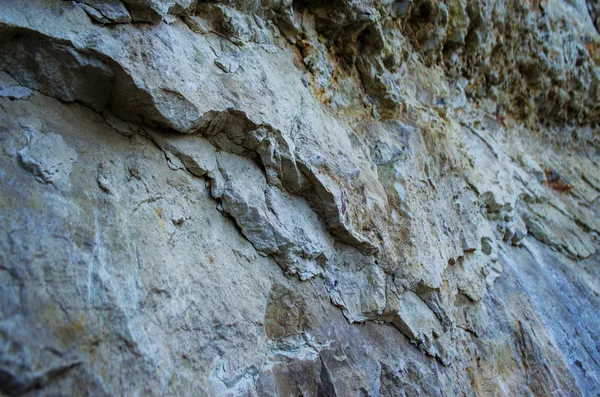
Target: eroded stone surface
(283,198)
(48,158)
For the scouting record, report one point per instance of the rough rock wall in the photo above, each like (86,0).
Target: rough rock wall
(281,198)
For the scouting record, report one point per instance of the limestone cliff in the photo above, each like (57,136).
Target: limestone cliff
(300,197)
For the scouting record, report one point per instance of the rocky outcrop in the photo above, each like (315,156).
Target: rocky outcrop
(299,197)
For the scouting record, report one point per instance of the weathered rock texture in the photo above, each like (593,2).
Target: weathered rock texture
(283,198)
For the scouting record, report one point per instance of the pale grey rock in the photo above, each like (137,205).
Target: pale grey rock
(25,365)
(417,321)
(227,21)
(551,227)
(46,68)
(360,298)
(273,222)
(48,158)
(106,11)
(15,92)
(95,14)
(196,153)
(10,88)
(283,198)
(156,10)
(227,65)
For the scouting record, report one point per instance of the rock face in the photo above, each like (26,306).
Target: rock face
(317,198)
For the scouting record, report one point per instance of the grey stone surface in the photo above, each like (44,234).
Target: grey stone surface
(284,198)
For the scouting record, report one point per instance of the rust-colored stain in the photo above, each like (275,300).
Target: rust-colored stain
(556,182)
(210,259)
(320,94)
(79,325)
(161,222)
(594,51)
(500,118)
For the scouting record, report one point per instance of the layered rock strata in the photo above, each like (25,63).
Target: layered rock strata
(277,198)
